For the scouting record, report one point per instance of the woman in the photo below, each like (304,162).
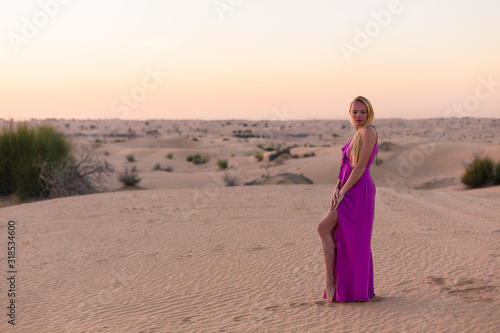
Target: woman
(346,229)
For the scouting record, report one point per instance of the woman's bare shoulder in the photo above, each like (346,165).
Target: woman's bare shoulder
(370,131)
(370,134)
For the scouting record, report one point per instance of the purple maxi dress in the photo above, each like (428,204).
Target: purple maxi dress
(354,264)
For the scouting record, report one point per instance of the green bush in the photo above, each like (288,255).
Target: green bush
(259,157)
(198,159)
(22,149)
(170,156)
(129,177)
(279,152)
(266,148)
(480,172)
(497,174)
(222,164)
(158,167)
(130,158)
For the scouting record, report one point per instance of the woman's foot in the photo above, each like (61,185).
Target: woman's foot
(330,292)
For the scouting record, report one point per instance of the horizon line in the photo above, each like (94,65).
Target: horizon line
(234,119)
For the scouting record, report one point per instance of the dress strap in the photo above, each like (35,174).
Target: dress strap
(375,131)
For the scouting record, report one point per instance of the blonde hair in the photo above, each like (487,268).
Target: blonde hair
(356,140)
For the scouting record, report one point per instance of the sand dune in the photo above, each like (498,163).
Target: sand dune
(249,259)
(184,253)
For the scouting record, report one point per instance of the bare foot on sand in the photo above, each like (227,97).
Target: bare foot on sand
(330,292)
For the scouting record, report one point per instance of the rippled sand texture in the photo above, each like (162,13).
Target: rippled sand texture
(241,259)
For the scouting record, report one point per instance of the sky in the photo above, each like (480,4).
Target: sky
(248,59)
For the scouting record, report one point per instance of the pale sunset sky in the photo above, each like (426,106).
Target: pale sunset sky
(248,59)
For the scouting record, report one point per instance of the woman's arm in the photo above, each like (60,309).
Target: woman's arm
(369,138)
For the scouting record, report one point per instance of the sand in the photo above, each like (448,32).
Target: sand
(184,253)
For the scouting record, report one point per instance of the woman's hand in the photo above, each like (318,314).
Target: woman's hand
(335,196)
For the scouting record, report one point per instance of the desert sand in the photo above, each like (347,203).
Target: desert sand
(182,252)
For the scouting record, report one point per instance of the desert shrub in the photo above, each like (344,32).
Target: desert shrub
(480,172)
(496,177)
(335,135)
(230,180)
(270,148)
(159,167)
(259,157)
(198,159)
(170,156)
(82,173)
(130,158)
(22,148)
(278,153)
(222,164)
(129,177)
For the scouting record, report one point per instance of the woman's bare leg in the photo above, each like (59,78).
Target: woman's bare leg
(325,229)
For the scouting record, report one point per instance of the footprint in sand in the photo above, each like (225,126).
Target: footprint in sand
(188,319)
(240,318)
(252,249)
(296,305)
(467,289)
(272,307)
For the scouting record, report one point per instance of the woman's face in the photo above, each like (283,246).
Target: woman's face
(358,113)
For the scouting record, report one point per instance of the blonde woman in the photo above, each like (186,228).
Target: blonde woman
(346,229)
